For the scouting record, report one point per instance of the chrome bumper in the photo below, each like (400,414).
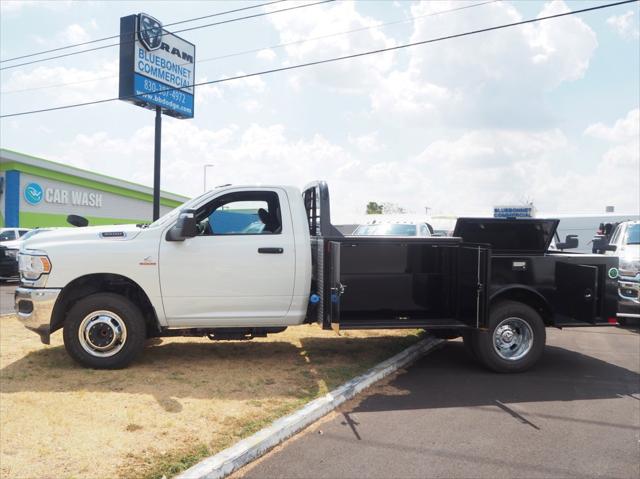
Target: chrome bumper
(34,308)
(628,299)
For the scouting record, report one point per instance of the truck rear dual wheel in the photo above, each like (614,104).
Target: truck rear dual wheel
(104,331)
(514,340)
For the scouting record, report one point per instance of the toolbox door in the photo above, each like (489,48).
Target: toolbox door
(473,280)
(576,291)
(331,319)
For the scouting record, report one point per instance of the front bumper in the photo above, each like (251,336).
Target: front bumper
(628,298)
(34,308)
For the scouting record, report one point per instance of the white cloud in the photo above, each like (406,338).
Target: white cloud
(267,54)
(76,84)
(72,34)
(494,79)
(624,128)
(625,24)
(80,84)
(16,6)
(351,75)
(369,143)
(253,83)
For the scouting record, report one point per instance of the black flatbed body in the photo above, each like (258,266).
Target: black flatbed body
(449,283)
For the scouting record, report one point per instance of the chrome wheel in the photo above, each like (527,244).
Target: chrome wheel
(512,339)
(102,333)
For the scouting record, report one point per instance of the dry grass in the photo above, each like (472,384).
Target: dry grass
(184,399)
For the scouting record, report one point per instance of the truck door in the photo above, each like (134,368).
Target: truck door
(473,280)
(240,268)
(331,318)
(576,291)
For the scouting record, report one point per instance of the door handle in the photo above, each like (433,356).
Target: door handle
(588,294)
(270,250)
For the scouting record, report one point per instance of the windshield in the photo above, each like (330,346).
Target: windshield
(385,229)
(7,235)
(633,234)
(31,233)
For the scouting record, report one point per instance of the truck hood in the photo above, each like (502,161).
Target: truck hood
(525,236)
(87,233)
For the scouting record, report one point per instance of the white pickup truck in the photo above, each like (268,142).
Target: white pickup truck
(239,262)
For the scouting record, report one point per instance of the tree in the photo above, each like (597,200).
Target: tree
(392,209)
(374,208)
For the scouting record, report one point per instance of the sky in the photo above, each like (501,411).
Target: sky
(545,113)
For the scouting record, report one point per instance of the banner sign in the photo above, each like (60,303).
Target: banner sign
(514,212)
(156,66)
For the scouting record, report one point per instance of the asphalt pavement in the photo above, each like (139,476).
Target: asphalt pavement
(576,414)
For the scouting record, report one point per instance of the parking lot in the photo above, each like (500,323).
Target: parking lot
(576,414)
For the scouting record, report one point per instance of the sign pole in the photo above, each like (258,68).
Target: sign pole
(156,164)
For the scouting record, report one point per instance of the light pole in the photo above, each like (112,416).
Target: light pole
(205,176)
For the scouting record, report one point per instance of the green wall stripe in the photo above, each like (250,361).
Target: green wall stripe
(75,180)
(41,220)
(79,170)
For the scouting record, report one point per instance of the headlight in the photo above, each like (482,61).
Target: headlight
(33,264)
(11,253)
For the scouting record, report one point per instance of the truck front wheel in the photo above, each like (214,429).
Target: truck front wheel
(104,331)
(515,339)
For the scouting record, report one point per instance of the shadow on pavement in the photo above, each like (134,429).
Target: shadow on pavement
(448,378)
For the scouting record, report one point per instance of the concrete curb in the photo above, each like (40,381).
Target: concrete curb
(249,449)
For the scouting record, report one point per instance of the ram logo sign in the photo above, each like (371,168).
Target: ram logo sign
(149,32)
(33,193)
(157,68)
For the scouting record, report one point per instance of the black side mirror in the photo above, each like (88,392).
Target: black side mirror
(570,242)
(77,220)
(185,227)
(610,247)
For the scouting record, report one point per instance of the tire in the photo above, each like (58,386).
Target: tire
(104,331)
(445,333)
(514,341)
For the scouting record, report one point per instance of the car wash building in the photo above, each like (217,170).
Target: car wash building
(37,193)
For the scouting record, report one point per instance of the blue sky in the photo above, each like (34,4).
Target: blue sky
(547,112)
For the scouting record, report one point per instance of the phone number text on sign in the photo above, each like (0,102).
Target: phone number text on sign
(163,96)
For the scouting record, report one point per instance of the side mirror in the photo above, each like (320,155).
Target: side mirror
(610,247)
(570,242)
(184,228)
(77,220)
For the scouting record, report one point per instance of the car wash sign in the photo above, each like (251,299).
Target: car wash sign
(157,68)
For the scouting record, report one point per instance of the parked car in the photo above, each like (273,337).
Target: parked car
(625,244)
(394,228)
(12,234)
(11,249)
(8,265)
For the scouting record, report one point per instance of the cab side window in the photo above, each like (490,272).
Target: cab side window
(242,213)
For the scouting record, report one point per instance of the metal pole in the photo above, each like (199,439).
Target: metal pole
(156,164)
(204,184)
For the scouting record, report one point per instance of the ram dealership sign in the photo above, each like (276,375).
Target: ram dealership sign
(157,68)
(527,211)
